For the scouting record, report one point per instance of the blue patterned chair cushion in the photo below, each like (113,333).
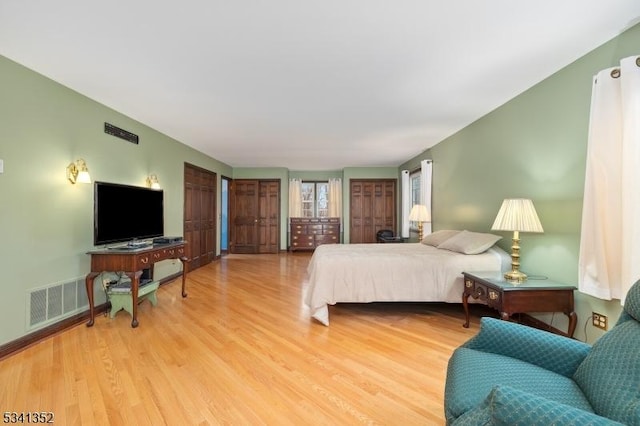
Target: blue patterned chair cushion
(632,301)
(538,347)
(508,406)
(610,375)
(473,374)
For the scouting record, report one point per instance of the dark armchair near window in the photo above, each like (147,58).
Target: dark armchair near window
(384,233)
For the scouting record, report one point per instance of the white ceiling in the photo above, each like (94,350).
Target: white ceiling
(306,85)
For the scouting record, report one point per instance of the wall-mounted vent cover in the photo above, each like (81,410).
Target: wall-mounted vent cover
(112,130)
(47,305)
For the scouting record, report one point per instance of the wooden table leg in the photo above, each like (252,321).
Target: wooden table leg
(135,283)
(465,305)
(88,282)
(185,262)
(573,320)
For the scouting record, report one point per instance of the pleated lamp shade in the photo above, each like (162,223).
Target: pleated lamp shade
(517,214)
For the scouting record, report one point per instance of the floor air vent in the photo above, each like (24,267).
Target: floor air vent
(46,305)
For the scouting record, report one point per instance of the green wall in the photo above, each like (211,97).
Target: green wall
(46,224)
(316,175)
(534,146)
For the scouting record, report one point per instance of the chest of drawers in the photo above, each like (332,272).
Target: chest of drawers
(309,233)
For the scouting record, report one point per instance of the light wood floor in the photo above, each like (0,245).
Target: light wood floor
(242,349)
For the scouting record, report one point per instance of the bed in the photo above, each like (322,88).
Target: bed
(410,272)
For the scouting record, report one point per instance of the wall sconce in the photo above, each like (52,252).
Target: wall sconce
(152,182)
(78,172)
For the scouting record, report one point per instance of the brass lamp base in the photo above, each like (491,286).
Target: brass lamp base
(515,276)
(420,231)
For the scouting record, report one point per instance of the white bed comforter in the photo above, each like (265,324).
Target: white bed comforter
(413,272)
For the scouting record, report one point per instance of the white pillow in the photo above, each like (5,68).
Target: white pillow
(468,242)
(438,237)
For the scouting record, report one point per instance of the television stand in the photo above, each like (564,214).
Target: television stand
(132,263)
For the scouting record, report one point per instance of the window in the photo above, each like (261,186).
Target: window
(414,182)
(315,199)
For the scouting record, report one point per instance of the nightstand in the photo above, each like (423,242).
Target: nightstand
(510,298)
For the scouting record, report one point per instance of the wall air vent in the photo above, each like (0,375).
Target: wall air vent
(54,302)
(112,130)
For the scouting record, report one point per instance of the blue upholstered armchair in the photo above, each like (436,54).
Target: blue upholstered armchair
(509,374)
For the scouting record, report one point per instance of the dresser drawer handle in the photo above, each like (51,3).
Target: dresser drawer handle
(493,295)
(468,283)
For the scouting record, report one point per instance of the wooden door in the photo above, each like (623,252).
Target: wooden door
(207,218)
(199,227)
(361,218)
(373,207)
(243,204)
(269,217)
(191,221)
(255,216)
(384,213)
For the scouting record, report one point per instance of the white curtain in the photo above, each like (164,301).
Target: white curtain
(295,198)
(406,203)
(335,197)
(610,236)
(426,174)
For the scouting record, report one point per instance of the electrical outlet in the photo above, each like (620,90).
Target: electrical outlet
(599,320)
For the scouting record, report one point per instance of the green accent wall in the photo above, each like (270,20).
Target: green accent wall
(534,146)
(316,175)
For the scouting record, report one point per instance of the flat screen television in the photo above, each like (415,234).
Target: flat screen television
(126,213)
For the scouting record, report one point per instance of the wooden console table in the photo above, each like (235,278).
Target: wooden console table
(511,298)
(132,263)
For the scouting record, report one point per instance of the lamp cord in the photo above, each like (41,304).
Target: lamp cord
(586,323)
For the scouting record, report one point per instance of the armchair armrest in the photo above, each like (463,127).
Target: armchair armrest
(550,351)
(509,406)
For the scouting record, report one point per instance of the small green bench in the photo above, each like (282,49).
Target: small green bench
(122,300)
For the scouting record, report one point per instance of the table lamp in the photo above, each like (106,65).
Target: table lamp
(517,215)
(420,214)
